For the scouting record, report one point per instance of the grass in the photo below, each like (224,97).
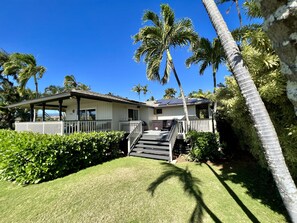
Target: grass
(140,190)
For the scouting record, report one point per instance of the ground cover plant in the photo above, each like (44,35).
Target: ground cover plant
(31,158)
(141,190)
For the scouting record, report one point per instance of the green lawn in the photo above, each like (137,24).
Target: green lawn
(121,191)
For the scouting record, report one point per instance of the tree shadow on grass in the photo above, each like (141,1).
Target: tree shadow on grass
(190,186)
(259,183)
(249,214)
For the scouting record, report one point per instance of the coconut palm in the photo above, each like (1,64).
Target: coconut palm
(145,89)
(169,93)
(26,67)
(207,54)
(156,40)
(52,90)
(262,122)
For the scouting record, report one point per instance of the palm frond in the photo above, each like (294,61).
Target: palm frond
(167,15)
(151,16)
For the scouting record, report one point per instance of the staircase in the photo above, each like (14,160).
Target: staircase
(152,144)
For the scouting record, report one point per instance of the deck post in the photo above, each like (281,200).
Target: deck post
(60,109)
(170,152)
(43,112)
(78,108)
(31,112)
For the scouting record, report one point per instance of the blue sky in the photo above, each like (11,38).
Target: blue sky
(91,39)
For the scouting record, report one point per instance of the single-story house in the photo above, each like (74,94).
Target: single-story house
(86,111)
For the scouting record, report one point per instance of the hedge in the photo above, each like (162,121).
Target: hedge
(204,146)
(32,158)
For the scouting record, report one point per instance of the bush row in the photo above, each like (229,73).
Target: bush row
(204,146)
(31,158)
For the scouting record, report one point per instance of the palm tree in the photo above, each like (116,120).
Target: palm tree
(237,8)
(156,40)
(53,89)
(169,93)
(71,83)
(262,122)
(145,89)
(137,89)
(207,54)
(25,66)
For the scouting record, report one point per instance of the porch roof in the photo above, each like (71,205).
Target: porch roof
(73,93)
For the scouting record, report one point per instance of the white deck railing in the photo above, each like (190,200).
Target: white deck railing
(128,126)
(200,125)
(134,135)
(64,127)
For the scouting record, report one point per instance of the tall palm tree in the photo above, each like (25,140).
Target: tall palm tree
(145,90)
(264,127)
(207,54)
(169,93)
(26,67)
(53,89)
(137,89)
(237,8)
(156,40)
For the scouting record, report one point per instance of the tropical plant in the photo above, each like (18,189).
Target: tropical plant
(206,54)
(53,89)
(145,90)
(169,93)
(263,125)
(280,25)
(137,89)
(71,83)
(156,40)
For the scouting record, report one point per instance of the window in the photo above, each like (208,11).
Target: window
(132,114)
(158,111)
(202,111)
(88,114)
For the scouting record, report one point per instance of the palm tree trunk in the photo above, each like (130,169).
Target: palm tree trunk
(259,114)
(238,13)
(180,89)
(214,103)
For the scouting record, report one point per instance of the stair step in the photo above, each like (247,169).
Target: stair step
(151,151)
(153,137)
(153,142)
(164,147)
(145,155)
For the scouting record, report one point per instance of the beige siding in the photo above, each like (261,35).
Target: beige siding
(103,109)
(147,115)
(120,113)
(175,112)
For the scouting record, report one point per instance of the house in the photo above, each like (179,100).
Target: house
(150,125)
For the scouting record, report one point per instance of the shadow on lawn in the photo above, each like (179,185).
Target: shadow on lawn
(190,186)
(257,180)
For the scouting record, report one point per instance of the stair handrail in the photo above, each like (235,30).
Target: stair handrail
(172,138)
(134,136)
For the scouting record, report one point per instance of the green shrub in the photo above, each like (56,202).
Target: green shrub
(204,146)
(31,158)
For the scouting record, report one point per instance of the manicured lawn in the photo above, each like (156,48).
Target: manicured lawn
(120,191)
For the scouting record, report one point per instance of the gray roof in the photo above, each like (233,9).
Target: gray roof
(75,93)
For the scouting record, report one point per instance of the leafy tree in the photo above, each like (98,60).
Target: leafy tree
(263,125)
(201,94)
(156,40)
(71,83)
(169,93)
(152,98)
